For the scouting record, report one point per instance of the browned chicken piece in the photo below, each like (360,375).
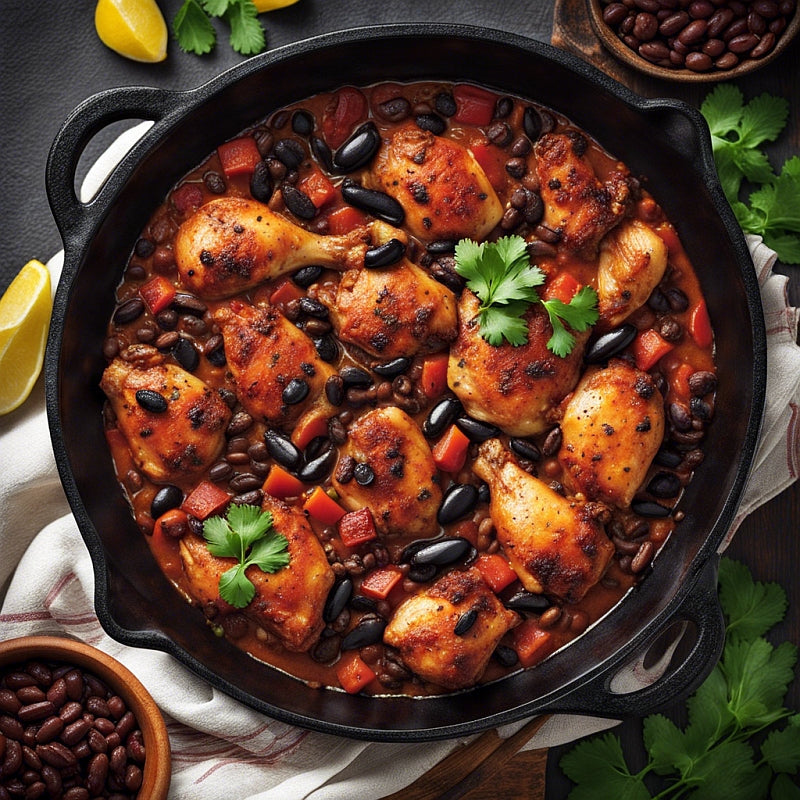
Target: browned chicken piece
(516,388)
(424,629)
(391,312)
(442,188)
(576,202)
(232,244)
(633,258)
(612,427)
(405,493)
(287,603)
(266,353)
(182,439)
(556,545)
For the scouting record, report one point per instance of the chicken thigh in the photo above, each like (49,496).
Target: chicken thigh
(556,545)
(442,188)
(176,426)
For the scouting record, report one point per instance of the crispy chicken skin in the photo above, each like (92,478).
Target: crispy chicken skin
(265,352)
(288,603)
(633,258)
(423,629)
(395,311)
(405,494)
(576,202)
(612,427)
(516,388)
(556,545)
(232,244)
(182,440)
(443,189)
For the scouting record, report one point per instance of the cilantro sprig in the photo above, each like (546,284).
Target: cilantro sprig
(501,275)
(715,755)
(246,534)
(195,32)
(764,203)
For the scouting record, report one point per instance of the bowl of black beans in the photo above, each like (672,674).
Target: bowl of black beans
(76,724)
(695,40)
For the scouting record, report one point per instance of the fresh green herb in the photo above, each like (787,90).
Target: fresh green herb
(738,129)
(501,275)
(196,34)
(247,535)
(715,755)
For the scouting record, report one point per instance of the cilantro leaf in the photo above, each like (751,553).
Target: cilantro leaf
(751,608)
(503,279)
(247,35)
(196,34)
(723,109)
(781,748)
(763,118)
(666,744)
(246,534)
(215,8)
(193,29)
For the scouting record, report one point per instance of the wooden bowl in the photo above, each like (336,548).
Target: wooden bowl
(54,649)
(632,59)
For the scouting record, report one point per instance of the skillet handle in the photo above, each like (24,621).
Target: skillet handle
(702,608)
(90,117)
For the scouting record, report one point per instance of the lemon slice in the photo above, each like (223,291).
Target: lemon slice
(133,28)
(24,321)
(271,5)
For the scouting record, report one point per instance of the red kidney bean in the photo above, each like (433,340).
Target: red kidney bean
(764,46)
(743,43)
(49,729)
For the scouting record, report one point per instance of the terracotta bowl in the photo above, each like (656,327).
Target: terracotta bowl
(53,649)
(608,37)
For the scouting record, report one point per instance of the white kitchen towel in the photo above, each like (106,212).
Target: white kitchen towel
(216,741)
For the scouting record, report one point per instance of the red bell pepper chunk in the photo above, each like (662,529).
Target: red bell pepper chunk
(284,292)
(474,106)
(322,507)
(281,484)
(205,500)
(157,293)
(496,571)
(434,374)
(309,427)
(379,583)
(648,348)
(679,382)
(318,188)
(347,107)
(450,452)
(187,198)
(354,674)
(357,527)
(531,643)
(490,159)
(239,156)
(345,219)
(563,287)
(172,523)
(700,325)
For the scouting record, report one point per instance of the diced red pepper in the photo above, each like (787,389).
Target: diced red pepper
(531,643)
(700,325)
(284,292)
(239,156)
(319,189)
(496,571)
(187,198)
(281,484)
(205,500)
(345,219)
(434,374)
(679,382)
(309,427)
(172,523)
(357,527)
(648,348)
(322,507)
(353,673)
(347,107)
(474,106)
(450,452)
(157,293)
(563,287)
(490,159)
(379,583)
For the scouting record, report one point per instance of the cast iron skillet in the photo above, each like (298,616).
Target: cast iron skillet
(664,140)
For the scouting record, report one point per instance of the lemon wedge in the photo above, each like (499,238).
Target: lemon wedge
(271,5)
(133,28)
(24,321)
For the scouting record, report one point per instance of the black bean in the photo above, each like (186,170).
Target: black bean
(445,104)
(610,344)
(289,152)
(379,204)
(305,276)
(364,474)
(441,247)
(355,376)
(500,133)
(214,182)
(217,356)
(302,122)
(442,552)
(677,299)
(151,401)
(360,602)
(394,110)
(527,601)
(536,122)
(298,202)
(465,622)
(702,382)
(664,485)
(320,467)
(326,348)
(700,409)
(334,390)
(476,430)
(444,271)
(295,391)
(283,450)
(422,573)
(440,417)
(368,631)
(327,648)
(185,353)
(505,656)
(358,150)
(458,501)
(392,368)
(245,482)
(322,152)
(525,449)
(338,598)
(432,123)
(166,498)
(667,458)
(647,508)
(261,185)
(129,311)
(384,255)
(313,308)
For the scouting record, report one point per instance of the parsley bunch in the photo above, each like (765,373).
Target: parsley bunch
(715,755)
(501,275)
(196,34)
(738,129)
(247,535)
